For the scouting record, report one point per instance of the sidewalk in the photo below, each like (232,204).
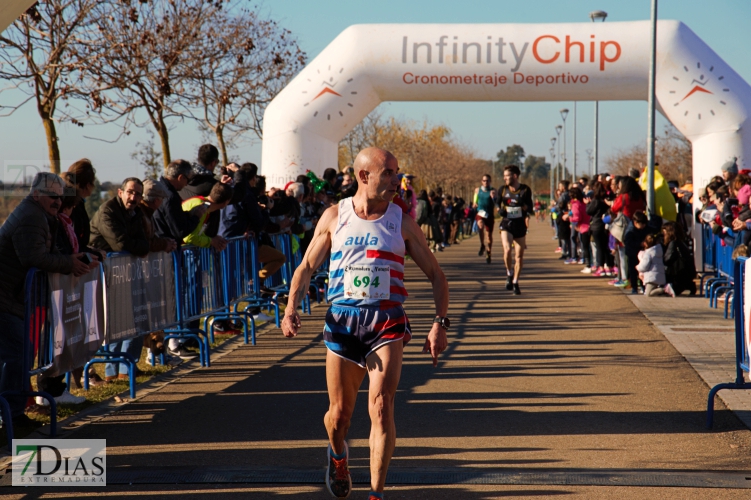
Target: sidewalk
(704,338)
(565,390)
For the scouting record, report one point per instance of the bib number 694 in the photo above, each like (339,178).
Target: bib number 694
(365,281)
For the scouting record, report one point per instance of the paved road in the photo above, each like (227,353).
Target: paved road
(568,378)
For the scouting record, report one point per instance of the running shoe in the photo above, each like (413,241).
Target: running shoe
(669,290)
(580,261)
(599,273)
(569,261)
(614,282)
(558,250)
(338,479)
(614,270)
(516,289)
(587,270)
(373,497)
(509,282)
(623,284)
(482,251)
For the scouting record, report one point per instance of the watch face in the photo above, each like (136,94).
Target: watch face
(331,86)
(699,91)
(445,323)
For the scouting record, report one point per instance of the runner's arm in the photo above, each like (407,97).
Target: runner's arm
(319,248)
(417,247)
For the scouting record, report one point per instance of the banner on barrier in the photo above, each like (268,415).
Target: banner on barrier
(77,319)
(140,295)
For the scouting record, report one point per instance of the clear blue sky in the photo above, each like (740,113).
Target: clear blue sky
(487,127)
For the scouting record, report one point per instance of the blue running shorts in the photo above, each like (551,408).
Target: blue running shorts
(353,332)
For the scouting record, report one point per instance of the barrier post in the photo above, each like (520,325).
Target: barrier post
(741,362)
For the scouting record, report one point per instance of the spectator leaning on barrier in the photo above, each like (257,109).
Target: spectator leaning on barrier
(117,225)
(170,220)
(27,239)
(218,198)
(154,194)
(729,170)
(243,216)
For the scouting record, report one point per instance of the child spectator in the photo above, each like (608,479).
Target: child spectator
(652,269)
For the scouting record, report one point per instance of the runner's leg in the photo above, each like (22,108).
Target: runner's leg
(481,232)
(384,370)
(508,251)
(519,245)
(343,379)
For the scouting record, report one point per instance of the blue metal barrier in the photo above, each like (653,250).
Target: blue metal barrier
(741,352)
(717,269)
(37,332)
(283,280)
(189,291)
(256,298)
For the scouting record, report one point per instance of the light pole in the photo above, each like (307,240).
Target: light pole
(552,159)
(601,15)
(564,114)
(573,173)
(559,170)
(651,115)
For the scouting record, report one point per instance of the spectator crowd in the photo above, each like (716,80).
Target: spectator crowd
(603,225)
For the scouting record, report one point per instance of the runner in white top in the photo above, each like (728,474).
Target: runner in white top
(366,328)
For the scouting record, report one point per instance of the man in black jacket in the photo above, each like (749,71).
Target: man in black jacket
(117,225)
(27,239)
(170,221)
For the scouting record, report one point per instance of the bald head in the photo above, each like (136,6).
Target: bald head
(372,159)
(376,172)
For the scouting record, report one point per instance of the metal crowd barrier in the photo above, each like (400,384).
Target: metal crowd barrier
(717,269)
(38,348)
(741,348)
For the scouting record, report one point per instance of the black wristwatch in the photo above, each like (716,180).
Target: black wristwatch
(443,321)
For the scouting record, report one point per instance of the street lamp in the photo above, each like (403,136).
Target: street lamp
(560,171)
(551,171)
(651,114)
(594,15)
(564,114)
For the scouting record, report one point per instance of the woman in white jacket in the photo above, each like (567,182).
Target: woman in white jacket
(652,269)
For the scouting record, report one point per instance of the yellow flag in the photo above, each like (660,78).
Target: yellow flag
(664,201)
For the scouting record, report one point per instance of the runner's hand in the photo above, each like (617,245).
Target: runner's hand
(291,324)
(436,342)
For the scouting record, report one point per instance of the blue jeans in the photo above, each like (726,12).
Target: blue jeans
(132,347)
(11,360)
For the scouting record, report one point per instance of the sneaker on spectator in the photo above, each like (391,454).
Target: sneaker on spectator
(580,261)
(669,290)
(66,398)
(558,250)
(587,270)
(263,317)
(623,284)
(599,272)
(614,282)
(569,261)
(614,270)
(182,353)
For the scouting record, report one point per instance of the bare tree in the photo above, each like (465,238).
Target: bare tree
(673,153)
(137,66)
(239,64)
(39,55)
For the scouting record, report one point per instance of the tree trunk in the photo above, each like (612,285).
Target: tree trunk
(52,145)
(222,145)
(164,138)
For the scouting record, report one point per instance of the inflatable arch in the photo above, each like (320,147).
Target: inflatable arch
(367,64)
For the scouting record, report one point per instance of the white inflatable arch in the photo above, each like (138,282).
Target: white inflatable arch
(368,64)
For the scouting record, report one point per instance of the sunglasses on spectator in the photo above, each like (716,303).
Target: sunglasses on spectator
(51,195)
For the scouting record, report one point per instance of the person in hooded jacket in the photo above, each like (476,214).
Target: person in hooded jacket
(680,269)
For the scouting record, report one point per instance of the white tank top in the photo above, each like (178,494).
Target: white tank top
(367,258)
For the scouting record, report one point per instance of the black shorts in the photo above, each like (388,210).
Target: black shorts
(517,227)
